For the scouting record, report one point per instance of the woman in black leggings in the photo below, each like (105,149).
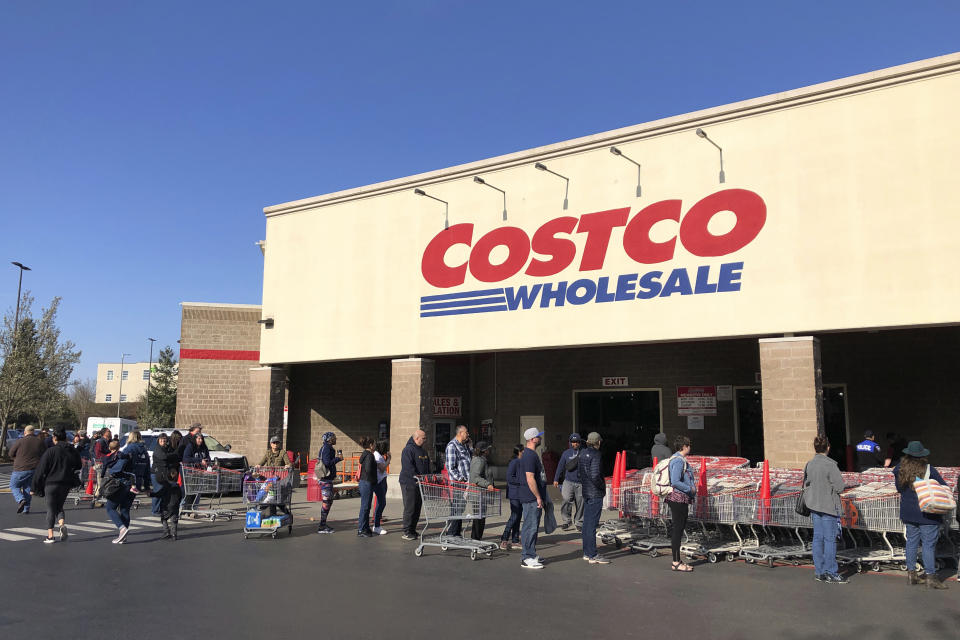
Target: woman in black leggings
(681,480)
(55,476)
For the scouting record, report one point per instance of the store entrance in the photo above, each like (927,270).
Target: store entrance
(835,422)
(443,432)
(749,409)
(627,420)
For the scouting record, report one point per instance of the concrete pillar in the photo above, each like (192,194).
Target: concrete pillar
(411,406)
(267,393)
(792,399)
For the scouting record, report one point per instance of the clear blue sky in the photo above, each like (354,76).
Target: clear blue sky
(139,141)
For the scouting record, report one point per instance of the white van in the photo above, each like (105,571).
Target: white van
(118,426)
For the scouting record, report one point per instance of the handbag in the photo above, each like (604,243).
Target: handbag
(933,497)
(801,507)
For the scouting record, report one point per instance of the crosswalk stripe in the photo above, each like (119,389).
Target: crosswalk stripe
(36,532)
(75,527)
(14,537)
(146,523)
(102,525)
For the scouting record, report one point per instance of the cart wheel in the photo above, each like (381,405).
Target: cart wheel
(749,560)
(859,568)
(712,558)
(875,567)
(730,557)
(76,502)
(245,536)
(795,563)
(418,551)
(903,566)
(136,505)
(473,554)
(617,542)
(653,553)
(770,563)
(443,548)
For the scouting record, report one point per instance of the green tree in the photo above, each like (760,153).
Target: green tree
(159,403)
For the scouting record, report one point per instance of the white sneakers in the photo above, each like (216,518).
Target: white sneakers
(532,563)
(123,536)
(379,531)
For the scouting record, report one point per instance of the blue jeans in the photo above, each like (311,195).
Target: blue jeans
(381,492)
(926,534)
(512,529)
(20,486)
(155,502)
(824,543)
(119,511)
(529,529)
(366,496)
(591,517)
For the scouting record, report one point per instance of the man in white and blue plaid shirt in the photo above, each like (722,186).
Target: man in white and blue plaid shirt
(458,457)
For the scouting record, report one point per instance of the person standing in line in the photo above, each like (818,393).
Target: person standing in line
(192,432)
(594,490)
(660,450)
(480,476)
(532,494)
(101,446)
(368,479)
(869,453)
(681,480)
(511,531)
(54,477)
(118,503)
(822,489)
(922,528)
(458,457)
(568,475)
(136,450)
(167,493)
(274,456)
(381,456)
(26,452)
(329,457)
(414,462)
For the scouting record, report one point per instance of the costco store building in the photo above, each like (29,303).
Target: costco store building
(632,282)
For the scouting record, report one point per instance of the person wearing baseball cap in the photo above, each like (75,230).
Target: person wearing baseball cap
(594,489)
(568,475)
(869,453)
(275,456)
(531,493)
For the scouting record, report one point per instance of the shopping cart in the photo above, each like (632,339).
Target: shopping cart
(200,483)
(269,490)
(448,500)
(778,532)
(88,480)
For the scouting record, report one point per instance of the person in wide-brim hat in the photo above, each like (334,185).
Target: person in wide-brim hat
(922,528)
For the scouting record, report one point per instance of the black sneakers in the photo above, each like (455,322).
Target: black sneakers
(833,578)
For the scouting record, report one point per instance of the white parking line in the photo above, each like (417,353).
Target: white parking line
(76,527)
(36,532)
(145,522)
(14,537)
(105,525)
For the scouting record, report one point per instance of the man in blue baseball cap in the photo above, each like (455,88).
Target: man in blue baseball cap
(569,476)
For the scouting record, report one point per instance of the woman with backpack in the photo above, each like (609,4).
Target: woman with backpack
(166,469)
(922,528)
(115,487)
(136,450)
(511,532)
(54,477)
(681,495)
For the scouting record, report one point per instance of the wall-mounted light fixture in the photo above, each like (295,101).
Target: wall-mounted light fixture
(619,153)
(543,167)
(446,206)
(703,134)
(480,180)
(266,322)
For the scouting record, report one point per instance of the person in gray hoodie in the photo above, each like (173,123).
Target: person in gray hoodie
(660,450)
(480,476)
(822,485)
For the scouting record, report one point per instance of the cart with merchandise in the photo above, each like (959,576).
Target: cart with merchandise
(446,500)
(269,489)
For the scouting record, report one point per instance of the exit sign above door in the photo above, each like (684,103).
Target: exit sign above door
(615,381)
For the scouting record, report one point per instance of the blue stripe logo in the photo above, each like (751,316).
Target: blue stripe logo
(455,304)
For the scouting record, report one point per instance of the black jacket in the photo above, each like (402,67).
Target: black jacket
(591,474)
(165,460)
(195,455)
(414,461)
(368,467)
(58,466)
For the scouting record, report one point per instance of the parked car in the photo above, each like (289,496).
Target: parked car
(12,436)
(219,453)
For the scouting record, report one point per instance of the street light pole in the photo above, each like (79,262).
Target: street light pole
(149,373)
(16,317)
(120,393)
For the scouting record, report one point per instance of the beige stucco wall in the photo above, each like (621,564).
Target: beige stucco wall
(133,387)
(862,229)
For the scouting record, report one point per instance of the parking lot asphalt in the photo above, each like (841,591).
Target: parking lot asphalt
(212,583)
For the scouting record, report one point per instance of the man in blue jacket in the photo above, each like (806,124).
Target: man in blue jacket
(594,489)
(869,453)
(568,474)
(414,461)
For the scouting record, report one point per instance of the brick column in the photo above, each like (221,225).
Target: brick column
(411,406)
(267,390)
(792,399)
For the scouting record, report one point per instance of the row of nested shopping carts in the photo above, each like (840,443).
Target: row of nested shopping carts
(731,518)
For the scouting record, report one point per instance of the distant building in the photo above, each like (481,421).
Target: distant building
(134,376)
